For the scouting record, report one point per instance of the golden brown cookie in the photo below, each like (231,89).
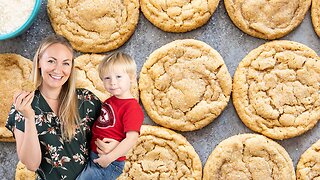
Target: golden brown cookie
(315,15)
(94,26)
(28,86)
(14,70)
(267,19)
(22,173)
(161,154)
(249,156)
(276,89)
(178,15)
(309,164)
(88,76)
(184,85)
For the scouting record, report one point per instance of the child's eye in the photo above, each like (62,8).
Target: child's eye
(106,77)
(119,76)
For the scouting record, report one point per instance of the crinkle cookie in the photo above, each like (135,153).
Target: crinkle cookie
(161,154)
(14,70)
(267,19)
(309,164)
(94,26)
(22,173)
(249,156)
(28,86)
(178,15)
(88,76)
(184,85)
(315,15)
(276,89)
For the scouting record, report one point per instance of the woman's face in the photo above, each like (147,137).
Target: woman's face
(55,65)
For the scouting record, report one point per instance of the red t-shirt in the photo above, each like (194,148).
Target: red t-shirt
(117,117)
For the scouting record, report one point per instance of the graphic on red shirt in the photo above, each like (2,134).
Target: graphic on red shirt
(106,118)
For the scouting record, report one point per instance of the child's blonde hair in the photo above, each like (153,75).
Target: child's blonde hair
(118,60)
(68,110)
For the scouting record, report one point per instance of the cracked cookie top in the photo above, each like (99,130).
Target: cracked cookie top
(315,15)
(22,173)
(178,15)
(88,76)
(309,164)
(94,26)
(161,154)
(184,85)
(267,19)
(249,156)
(276,89)
(14,71)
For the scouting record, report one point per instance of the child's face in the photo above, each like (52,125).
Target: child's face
(56,65)
(117,83)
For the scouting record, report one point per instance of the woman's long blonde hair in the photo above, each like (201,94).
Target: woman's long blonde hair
(68,101)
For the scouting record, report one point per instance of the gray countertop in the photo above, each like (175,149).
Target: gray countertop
(220,33)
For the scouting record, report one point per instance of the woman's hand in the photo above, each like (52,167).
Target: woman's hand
(106,145)
(103,160)
(22,102)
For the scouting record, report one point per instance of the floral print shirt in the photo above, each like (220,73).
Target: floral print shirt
(60,159)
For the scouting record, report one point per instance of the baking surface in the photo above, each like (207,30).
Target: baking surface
(220,33)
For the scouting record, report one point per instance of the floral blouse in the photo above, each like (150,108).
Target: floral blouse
(60,159)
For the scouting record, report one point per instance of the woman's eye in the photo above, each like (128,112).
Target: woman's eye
(67,64)
(50,61)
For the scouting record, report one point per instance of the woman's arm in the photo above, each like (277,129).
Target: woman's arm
(28,145)
(121,150)
(106,145)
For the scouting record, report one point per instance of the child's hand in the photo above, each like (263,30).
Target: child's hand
(103,160)
(106,145)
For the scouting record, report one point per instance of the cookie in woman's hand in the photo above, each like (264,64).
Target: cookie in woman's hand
(28,86)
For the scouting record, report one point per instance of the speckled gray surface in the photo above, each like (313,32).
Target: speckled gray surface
(220,33)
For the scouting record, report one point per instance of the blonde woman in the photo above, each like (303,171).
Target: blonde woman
(52,125)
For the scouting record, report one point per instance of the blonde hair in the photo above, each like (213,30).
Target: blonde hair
(68,102)
(118,60)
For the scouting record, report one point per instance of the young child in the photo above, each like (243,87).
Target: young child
(120,119)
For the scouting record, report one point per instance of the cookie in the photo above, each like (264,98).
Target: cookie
(276,89)
(28,86)
(14,70)
(161,154)
(249,156)
(309,164)
(22,173)
(88,76)
(179,15)
(267,19)
(184,85)
(315,16)
(94,26)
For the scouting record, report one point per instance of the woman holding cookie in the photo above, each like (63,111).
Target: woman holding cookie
(52,125)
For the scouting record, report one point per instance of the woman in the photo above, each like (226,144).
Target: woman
(52,125)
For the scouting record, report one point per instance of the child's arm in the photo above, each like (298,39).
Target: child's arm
(121,150)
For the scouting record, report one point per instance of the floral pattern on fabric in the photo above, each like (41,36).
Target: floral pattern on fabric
(60,159)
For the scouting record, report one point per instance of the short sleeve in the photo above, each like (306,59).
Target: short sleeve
(15,119)
(133,119)
(89,105)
